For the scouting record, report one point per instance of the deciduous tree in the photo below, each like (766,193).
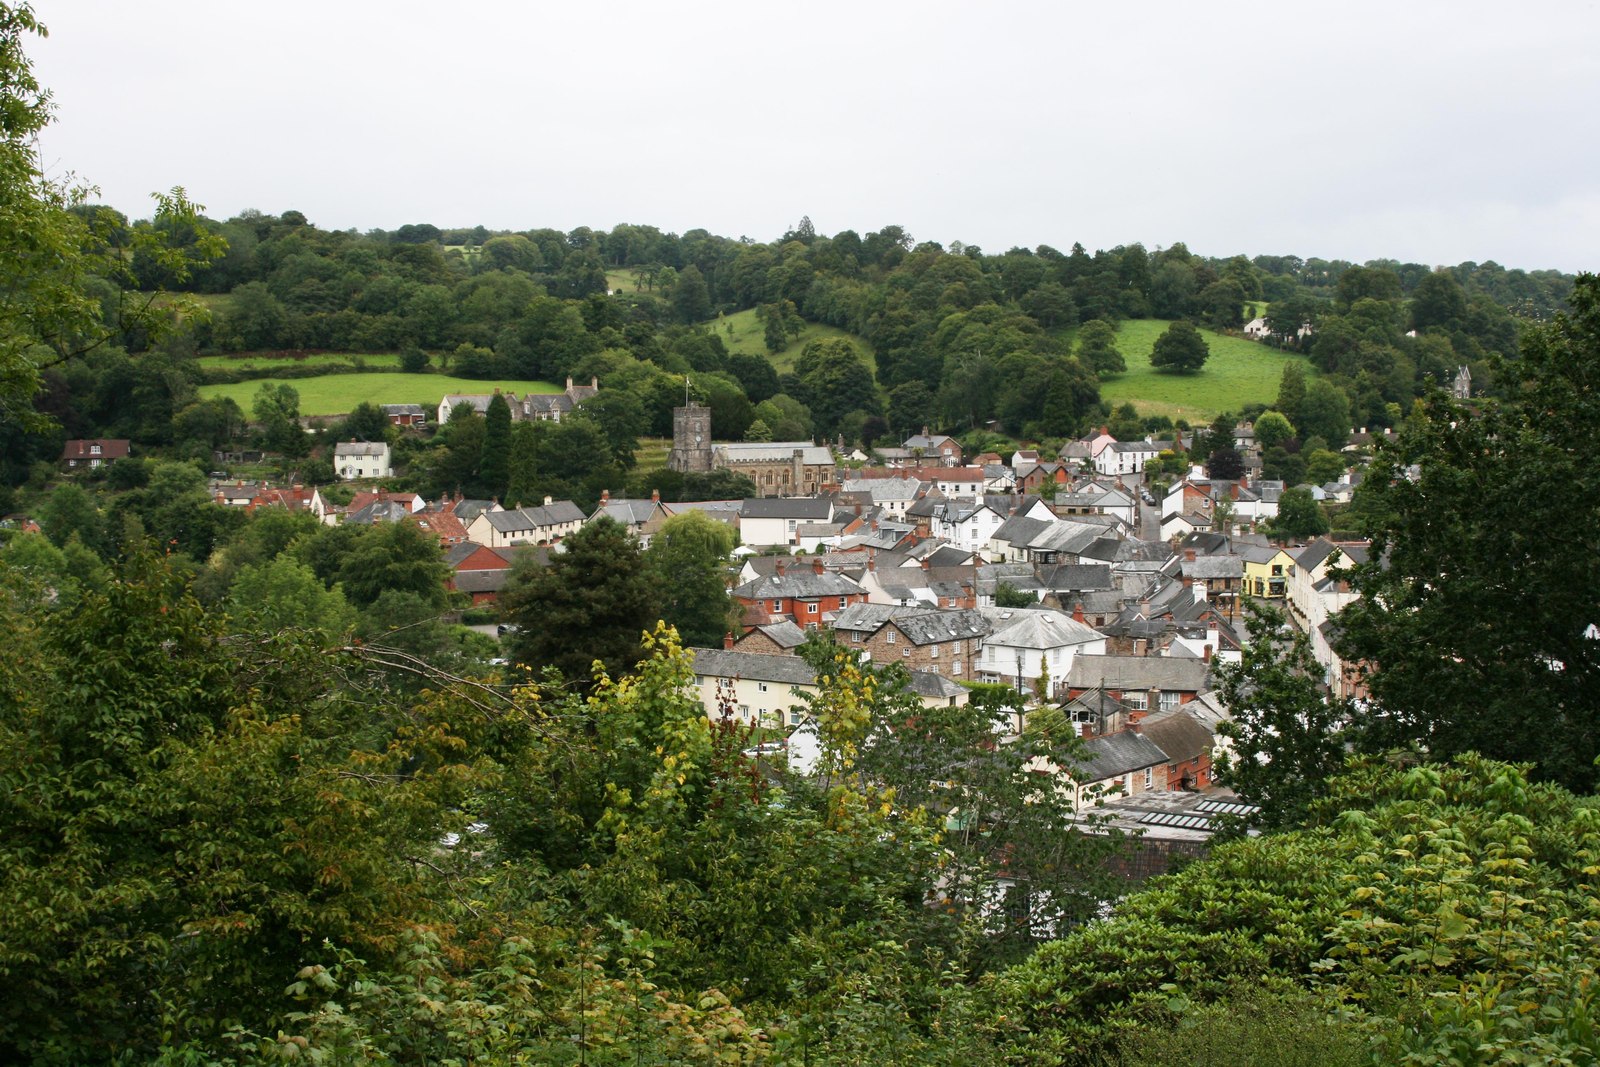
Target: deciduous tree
(1477,616)
(1180,348)
(592,603)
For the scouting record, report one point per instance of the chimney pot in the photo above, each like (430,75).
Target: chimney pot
(1077,612)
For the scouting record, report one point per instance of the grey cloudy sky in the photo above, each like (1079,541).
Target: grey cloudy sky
(1426,132)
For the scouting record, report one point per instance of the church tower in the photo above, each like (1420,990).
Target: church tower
(691,439)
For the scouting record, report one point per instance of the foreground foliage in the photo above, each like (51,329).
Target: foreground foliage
(1433,914)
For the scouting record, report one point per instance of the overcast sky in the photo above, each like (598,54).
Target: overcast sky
(1427,132)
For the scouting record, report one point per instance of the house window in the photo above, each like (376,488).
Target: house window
(811,609)
(1136,701)
(892,636)
(794,717)
(744,711)
(1169,699)
(761,686)
(955,668)
(855,637)
(1149,777)
(842,604)
(94,450)
(777,605)
(934,653)
(907,653)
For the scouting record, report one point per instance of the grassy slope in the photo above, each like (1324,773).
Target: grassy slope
(1239,372)
(748,333)
(336,394)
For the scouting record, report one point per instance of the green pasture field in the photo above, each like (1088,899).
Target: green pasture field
(260,361)
(1238,372)
(749,332)
(337,394)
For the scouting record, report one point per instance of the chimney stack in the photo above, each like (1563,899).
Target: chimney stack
(605,497)
(1188,555)
(655,496)
(1077,612)
(816,565)
(783,567)
(548,501)
(727,639)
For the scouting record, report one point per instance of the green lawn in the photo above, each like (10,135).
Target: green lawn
(748,336)
(1239,372)
(257,361)
(337,394)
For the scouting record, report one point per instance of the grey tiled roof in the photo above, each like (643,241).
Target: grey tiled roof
(809,509)
(803,582)
(553,514)
(725,663)
(1036,628)
(1139,672)
(627,512)
(1180,735)
(784,634)
(1117,754)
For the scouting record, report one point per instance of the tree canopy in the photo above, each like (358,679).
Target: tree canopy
(1477,606)
(1180,348)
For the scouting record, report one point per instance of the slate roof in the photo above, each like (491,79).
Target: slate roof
(481,581)
(866,618)
(729,663)
(1078,577)
(1036,628)
(792,670)
(467,510)
(882,489)
(1117,754)
(726,511)
(545,515)
(776,451)
(802,582)
(627,512)
(376,512)
(1206,568)
(806,508)
(784,634)
(1179,734)
(1313,554)
(1068,537)
(937,627)
(928,684)
(1126,673)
